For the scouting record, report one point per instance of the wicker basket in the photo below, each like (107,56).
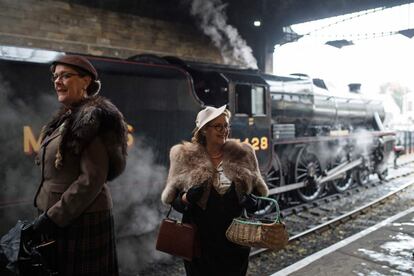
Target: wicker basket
(254,232)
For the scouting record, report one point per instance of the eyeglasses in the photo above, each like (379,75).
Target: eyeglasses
(63,76)
(220,127)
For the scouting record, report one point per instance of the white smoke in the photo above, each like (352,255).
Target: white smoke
(364,142)
(19,176)
(137,208)
(213,22)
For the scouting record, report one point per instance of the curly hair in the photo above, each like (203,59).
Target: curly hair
(199,137)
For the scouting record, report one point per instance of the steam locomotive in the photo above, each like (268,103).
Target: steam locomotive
(306,138)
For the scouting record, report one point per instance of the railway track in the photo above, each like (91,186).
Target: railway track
(307,219)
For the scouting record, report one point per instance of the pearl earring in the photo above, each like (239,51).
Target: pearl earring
(85,93)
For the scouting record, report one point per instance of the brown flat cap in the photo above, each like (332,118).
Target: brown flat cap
(77,61)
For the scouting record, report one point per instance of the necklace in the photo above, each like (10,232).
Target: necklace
(216,156)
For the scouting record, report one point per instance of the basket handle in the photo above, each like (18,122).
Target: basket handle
(273,203)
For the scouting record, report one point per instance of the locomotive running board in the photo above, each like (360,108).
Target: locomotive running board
(329,176)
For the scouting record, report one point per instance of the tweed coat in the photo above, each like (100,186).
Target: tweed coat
(190,165)
(81,148)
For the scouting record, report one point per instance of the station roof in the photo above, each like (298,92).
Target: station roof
(241,14)
(286,12)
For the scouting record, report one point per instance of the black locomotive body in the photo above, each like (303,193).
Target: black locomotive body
(305,140)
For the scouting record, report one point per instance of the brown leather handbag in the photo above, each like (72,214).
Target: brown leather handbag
(178,239)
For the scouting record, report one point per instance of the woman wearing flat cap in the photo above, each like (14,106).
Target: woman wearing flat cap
(82,147)
(210,180)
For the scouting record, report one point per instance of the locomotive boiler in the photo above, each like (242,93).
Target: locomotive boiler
(306,138)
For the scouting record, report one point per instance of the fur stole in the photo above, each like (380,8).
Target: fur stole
(190,165)
(81,123)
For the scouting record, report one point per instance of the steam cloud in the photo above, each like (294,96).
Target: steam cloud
(362,145)
(364,142)
(213,22)
(137,208)
(19,176)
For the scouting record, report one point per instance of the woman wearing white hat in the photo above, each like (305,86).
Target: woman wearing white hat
(210,180)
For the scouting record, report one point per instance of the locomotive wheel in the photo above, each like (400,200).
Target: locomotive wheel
(306,165)
(274,176)
(362,176)
(342,184)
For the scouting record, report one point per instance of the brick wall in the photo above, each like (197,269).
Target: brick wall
(62,26)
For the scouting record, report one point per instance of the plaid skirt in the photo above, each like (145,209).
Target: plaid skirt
(87,246)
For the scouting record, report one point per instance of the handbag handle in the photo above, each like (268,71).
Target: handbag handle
(169,211)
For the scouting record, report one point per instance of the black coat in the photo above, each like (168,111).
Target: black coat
(219,256)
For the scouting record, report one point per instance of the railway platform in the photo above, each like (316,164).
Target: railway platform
(384,249)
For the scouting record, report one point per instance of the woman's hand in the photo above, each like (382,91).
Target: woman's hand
(249,202)
(193,194)
(44,225)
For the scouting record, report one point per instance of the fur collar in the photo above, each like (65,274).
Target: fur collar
(190,165)
(81,123)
